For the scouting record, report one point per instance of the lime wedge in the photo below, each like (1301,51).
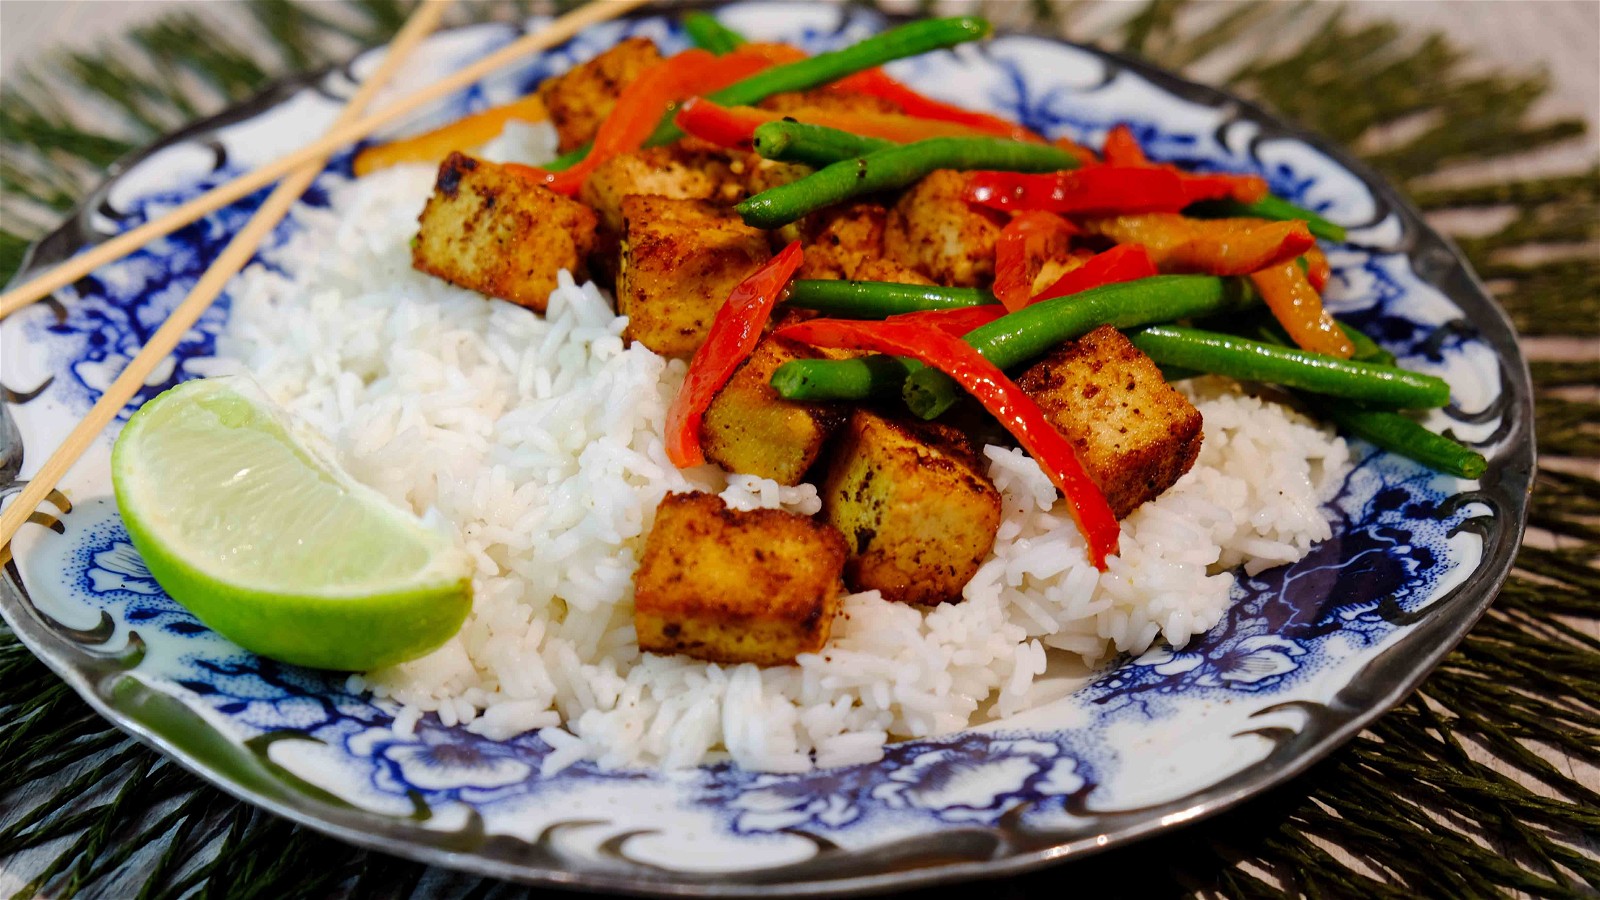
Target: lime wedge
(273,546)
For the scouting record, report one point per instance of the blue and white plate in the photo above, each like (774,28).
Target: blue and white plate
(1306,655)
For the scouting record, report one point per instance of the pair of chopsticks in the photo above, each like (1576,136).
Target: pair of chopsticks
(298,170)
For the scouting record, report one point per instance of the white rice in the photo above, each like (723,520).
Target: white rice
(537,441)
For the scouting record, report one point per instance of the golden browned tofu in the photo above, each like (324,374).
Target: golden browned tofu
(829,100)
(680,259)
(581,98)
(1135,435)
(751,430)
(934,230)
(494,231)
(670,171)
(915,505)
(846,242)
(733,587)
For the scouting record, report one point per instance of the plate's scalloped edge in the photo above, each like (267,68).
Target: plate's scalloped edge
(134,707)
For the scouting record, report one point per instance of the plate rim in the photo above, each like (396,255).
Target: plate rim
(1445,622)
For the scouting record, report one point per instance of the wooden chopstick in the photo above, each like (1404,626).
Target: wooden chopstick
(346,132)
(232,258)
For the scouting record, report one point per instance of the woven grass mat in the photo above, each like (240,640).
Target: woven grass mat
(1473,787)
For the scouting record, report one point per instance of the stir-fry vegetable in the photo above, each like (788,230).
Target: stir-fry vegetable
(880,299)
(707,33)
(877,83)
(642,103)
(1106,190)
(893,168)
(733,334)
(459,136)
(813,145)
(1218,247)
(897,43)
(1399,434)
(1247,360)
(1000,396)
(1034,330)
(1026,244)
(1298,308)
(1124,262)
(1270,208)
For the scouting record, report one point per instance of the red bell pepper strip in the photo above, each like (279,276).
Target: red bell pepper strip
(955,322)
(877,83)
(1124,262)
(1024,246)
(721,125)
(999,395)
(1298,308)
(647,98)
(735,126)
(734,332)
(1122,149)
(1097,190)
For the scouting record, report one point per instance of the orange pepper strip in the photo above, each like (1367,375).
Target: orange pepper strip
(462,135)
(877,83)
(1208,246)
(734,332)
(999,395)
(647,98)
(1296,306)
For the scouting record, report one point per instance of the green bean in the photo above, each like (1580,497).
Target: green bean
(1268,329)
(896,167)
(1270,208)
(813,145)
(911,39)
(1034,330)
(707,33)
(1398,434)
(880,299)
(1247,360)
(842,379)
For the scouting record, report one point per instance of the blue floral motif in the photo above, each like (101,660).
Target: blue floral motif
(957,785)
(444,763)
(121,568)
(1251,663)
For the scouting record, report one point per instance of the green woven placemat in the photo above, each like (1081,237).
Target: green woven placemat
(1468,789)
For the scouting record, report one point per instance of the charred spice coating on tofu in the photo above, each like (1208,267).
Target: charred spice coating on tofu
(1135,434)
(489,229)
(935,231)
(749,429)
(582,97)
(916,505)
(759,586)
(680,258)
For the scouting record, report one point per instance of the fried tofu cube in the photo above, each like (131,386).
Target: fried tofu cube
(581,98)
(915,505)
(751,430)
(733,587)
(660,172)
(494,231)
(829,100)
(847,243)
(680,260)
(934,230)
(1133,432)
